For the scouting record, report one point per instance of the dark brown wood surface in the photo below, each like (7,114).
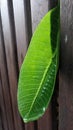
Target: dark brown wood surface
(66,67)
(18,20)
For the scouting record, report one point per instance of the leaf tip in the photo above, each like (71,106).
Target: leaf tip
(25,120)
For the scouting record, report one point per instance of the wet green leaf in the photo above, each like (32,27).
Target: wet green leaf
(38,72)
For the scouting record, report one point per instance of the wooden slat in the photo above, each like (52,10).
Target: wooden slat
(20,29)
(46,121)
(66,67)
(38,10)
(11,61)
(4,125)
(29,126)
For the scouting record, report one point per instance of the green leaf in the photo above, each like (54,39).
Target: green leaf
(38,72)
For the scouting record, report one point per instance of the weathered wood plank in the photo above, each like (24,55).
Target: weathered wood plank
(66,67)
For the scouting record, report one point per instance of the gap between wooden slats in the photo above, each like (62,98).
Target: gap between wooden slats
(11,60)
(52,3)
(54,102)
(55,105)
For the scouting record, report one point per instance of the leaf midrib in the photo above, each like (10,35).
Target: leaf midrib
(45,72)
